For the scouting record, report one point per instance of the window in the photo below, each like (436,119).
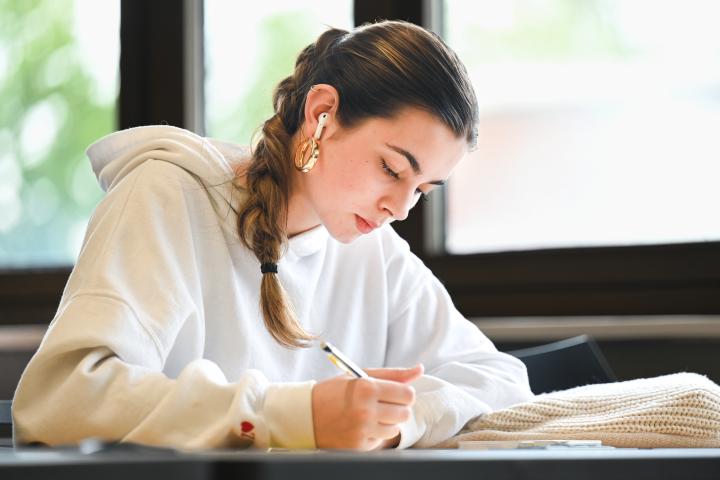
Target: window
(154,64)
(249,49)
(598,127)
(58,85)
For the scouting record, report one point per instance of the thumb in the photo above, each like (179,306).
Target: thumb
(402,375)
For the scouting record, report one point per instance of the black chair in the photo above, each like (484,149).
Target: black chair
(565,364)
(5,423)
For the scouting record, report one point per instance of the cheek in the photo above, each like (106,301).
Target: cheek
(350,176)
(339,183)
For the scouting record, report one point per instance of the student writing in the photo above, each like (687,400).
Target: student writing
(208,270)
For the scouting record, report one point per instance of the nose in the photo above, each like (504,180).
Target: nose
(398,203)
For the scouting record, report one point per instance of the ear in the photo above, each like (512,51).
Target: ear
(320,99)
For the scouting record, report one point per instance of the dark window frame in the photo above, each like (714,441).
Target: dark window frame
(632,280)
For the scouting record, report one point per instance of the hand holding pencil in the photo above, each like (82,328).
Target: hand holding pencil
(362,410)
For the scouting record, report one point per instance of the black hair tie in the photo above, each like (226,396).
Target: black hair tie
(268,267)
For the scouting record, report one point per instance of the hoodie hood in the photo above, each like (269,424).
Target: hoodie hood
(114,156)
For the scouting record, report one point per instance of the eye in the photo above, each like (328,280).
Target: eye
(396,176)
(388,170)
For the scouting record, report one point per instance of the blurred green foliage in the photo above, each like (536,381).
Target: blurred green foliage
(282,37)
(48,116)
(47,194)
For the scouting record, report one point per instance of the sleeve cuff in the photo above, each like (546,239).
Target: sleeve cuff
(287,409)
(412,429)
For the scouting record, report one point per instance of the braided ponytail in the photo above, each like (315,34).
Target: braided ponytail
(263,216)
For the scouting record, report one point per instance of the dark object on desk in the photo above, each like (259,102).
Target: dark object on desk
(569,363)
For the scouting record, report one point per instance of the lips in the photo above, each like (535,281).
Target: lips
(363,225)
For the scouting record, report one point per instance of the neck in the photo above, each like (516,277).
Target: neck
(301,217)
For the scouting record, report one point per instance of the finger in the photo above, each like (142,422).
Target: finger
(402,375)
(382,431)
(396,374)
(394,392)
(392,414)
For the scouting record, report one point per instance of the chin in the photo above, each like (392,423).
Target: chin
(344,237)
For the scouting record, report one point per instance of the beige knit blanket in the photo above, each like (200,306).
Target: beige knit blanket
(679,410)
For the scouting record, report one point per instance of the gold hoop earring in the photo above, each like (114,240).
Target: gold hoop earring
(310,146)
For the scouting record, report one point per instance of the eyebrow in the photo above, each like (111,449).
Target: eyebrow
(413,162)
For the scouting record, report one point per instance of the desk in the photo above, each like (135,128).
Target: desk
(384,465)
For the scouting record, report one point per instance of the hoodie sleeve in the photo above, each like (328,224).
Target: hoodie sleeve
(465,374)
(98,371)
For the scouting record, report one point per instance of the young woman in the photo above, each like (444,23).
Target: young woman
(209,272)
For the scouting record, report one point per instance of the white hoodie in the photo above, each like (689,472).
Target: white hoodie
(159,338)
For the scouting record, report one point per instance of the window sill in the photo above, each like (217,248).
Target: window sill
(520,329)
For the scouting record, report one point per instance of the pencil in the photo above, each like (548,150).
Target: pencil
(341,361)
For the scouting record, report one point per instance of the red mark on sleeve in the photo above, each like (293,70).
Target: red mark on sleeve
(246,430)
(246,426)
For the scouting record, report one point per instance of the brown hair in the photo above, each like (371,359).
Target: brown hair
(377,69)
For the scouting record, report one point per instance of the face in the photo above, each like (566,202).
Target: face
(376,172)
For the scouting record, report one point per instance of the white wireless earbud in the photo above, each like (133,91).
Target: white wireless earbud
(322,119)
